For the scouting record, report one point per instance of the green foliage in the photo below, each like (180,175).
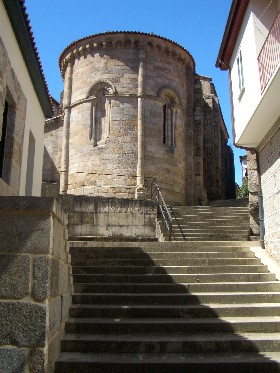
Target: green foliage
(243,192)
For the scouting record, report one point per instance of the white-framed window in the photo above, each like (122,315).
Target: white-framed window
(240,72)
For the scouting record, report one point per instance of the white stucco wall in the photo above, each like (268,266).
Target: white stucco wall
(34,114)
(243,105)
(255,115)
(257,22)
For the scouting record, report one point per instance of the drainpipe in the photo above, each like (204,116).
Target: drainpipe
(260,195)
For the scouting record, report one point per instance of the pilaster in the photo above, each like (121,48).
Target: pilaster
(140,191)
(66,128)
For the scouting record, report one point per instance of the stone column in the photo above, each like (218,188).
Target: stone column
(198,151)
(66,128)
(140,191)
(107,119)
(92,129)
(173,123)
(253,187)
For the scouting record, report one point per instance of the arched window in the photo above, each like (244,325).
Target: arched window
(102,117)
(169,111)
(168,124)
(101,93)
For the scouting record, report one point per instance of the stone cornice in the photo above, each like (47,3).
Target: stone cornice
(125,39)
(91,98)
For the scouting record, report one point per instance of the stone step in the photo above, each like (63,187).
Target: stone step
(188,259)
(208,237)
(182,238)
(193,343)
(209,217)
(211,234)
(175,299)
(208,223)
(173,325)
(204,215)
(180,311)
(84,246)
(230,202)
(208,208)
(172,256)
(169,269)
(177,278)
(169,255)
(208,226)
(178,288)
(173,247)
(190,220)
(131,263)
(212,215)
(212,208)
(254,362)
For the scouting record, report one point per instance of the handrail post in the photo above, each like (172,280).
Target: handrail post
(162,209)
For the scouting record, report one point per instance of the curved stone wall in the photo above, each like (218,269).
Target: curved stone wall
(133,110)
(125,100)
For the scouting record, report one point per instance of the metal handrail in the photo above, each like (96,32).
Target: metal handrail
(162,209)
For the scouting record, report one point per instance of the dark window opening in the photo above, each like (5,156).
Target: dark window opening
(168,126)
(164,126)
(3,138)
(172,139)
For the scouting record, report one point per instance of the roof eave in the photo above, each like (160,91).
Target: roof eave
(232,29)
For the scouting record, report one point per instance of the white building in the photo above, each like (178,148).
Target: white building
(244,166)
(24,104)
(250,51)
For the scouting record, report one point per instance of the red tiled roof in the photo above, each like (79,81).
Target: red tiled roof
(234,22)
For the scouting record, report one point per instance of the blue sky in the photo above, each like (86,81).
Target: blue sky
(196,25)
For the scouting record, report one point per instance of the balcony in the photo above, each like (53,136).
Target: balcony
(267,109)
(269,56)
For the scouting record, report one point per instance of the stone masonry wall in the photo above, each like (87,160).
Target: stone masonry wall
(269,153)
(52,152)
(11,92)
(109,217)
(212,161)
(253,188)
(35,287)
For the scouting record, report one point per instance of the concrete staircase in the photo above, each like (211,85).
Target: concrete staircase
(207,306)
(221,221)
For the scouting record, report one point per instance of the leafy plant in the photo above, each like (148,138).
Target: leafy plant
(242,191)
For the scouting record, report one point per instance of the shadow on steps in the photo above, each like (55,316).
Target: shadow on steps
(164,307)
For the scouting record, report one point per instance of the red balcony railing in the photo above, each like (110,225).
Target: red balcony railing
(269,57)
